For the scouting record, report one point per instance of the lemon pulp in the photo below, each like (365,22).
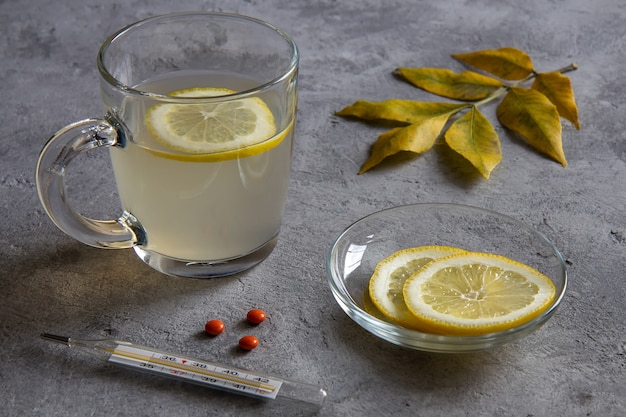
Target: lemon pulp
(476,293)
(212,130)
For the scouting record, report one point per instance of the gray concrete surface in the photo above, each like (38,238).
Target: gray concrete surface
(573,366)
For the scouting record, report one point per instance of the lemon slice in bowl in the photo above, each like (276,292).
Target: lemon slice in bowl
(223,128)
(387,281)
(476,293)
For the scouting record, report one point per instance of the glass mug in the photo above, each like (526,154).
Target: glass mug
(199,112)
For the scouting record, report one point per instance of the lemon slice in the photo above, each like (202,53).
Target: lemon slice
(387,281)
(226,128)
(476,293)
(370,308)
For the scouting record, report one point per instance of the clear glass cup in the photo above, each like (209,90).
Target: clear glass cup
(186,212)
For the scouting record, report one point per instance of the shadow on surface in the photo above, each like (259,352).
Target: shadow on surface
(413,370)
(79,288)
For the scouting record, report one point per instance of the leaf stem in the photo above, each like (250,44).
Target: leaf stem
(500,91)
(504,89)
(569,68)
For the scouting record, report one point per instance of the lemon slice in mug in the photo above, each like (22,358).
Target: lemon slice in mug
(217,130)
(390,274)
(476,293)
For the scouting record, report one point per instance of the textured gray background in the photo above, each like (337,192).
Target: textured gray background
(574,366)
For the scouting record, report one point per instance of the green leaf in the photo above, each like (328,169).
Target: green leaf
(417,137)
(473,137)
(558,89)
(403,111)
(506,63)
(467,85)
(532,115)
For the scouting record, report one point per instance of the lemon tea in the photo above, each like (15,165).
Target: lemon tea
(193,206)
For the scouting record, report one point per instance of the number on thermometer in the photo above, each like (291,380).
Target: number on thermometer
(194,370)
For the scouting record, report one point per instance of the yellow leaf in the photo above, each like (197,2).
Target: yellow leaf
(473,137)
(506,63)
(418,137)
(467,85)
(558,89)
(532,115)
(404,111)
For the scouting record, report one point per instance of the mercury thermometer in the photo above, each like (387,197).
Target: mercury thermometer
(201,372)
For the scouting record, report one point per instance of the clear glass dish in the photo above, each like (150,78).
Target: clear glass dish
(355,253)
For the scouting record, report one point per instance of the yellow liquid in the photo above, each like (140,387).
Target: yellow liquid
(196,210)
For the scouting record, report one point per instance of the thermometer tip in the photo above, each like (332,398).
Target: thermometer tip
(55,338)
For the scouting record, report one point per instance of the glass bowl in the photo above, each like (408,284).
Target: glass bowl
(354,255)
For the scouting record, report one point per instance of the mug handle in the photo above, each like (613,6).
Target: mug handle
(65,145)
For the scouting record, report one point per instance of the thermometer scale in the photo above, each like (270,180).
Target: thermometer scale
(200,372)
